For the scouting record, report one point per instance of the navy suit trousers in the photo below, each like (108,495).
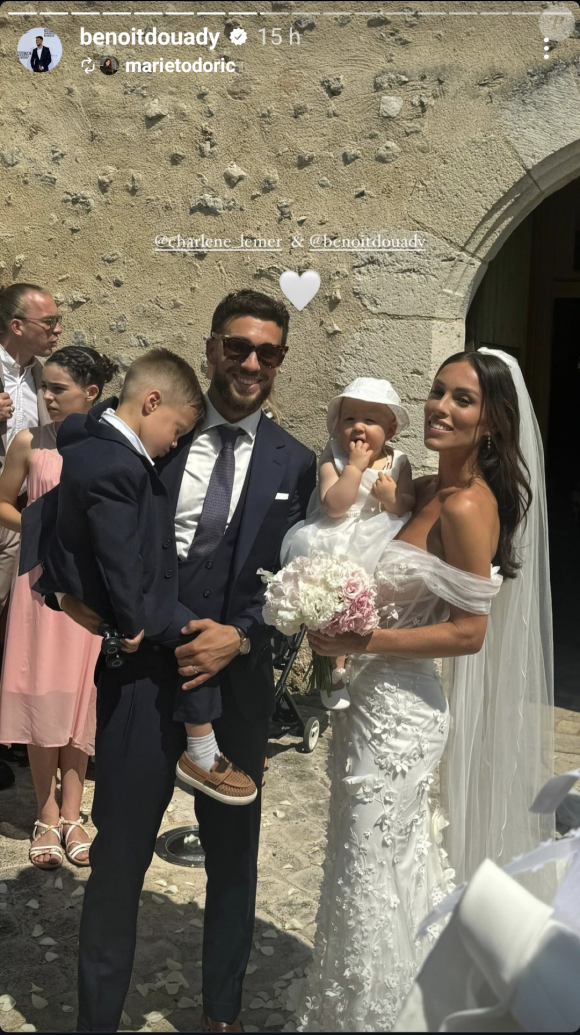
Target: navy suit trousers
(138,744)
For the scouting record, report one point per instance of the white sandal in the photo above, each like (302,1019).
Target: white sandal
(81,846)
(55,850)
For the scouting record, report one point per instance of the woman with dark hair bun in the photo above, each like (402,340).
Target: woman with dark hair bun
(47,692)
(86,366)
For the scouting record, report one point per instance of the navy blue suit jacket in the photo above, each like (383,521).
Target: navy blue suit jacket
(280,481)
(45,60)
(109,537)
(281,478)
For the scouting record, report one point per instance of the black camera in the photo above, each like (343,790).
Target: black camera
(111,646)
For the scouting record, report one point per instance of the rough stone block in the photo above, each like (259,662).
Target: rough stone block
(388,152)
(447,204)
(541,118)
(390,106)
(431,282)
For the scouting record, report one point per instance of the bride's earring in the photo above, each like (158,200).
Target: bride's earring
(488,442)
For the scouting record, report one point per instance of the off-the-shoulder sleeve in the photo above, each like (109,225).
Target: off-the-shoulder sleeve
(459,588)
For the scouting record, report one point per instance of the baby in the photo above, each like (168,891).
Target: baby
(363,428)
(361,477)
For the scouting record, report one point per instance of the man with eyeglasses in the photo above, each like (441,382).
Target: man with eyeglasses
(29,330)
(236,484)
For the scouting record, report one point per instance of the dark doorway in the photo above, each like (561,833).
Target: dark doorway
(528,304)
(563,487)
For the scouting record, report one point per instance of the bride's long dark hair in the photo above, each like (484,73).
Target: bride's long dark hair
(501,463)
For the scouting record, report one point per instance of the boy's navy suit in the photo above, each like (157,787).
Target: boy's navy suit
(139,742)
(113,544)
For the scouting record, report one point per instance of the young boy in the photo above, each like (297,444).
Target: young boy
(113,547)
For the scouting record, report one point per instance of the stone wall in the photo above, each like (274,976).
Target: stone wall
(451,127)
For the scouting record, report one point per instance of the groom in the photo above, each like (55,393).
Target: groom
(140,731)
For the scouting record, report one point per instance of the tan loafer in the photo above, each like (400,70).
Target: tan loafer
(224,782)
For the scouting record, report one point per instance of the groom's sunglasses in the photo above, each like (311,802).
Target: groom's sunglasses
(240,348)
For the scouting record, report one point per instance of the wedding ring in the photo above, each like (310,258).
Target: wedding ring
(194,672)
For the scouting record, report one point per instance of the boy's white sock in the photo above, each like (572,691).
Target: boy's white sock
(204,751)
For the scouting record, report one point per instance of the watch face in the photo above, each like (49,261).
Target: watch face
(245,642)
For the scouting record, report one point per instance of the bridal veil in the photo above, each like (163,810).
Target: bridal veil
(501,744)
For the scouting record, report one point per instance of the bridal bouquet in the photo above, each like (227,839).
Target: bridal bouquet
(326,594)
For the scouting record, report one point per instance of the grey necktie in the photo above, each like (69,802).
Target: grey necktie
(216,506)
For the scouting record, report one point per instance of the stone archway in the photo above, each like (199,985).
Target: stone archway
(540,123)
(491,233)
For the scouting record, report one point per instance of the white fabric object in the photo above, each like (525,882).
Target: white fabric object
(384,861)
(554,792)
(22,390)
(203,453)
(370,389)
(503,964)
(555,795)
(565,852)
(109,416)
(362,533)
(500,749)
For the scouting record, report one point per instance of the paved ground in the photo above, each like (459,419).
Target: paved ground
(295,810)
(40,975)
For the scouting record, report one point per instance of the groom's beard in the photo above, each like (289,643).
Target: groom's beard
(237,403)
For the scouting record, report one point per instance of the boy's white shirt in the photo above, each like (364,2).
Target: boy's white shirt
(110,417)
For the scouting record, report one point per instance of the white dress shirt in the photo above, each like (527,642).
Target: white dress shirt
(22,391)
(109,416)
(203,453)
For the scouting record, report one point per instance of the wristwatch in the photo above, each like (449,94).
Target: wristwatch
(245,642)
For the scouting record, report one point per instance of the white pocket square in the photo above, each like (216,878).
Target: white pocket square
(282,495)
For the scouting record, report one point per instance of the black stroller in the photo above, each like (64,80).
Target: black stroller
(287,717)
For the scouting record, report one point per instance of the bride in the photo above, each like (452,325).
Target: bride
(478,525)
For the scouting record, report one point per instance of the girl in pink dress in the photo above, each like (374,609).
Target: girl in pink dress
(47,690)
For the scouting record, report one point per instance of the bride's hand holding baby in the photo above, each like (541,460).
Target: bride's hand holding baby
(360,455)
(385,489)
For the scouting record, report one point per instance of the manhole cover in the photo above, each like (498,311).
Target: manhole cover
(181,847)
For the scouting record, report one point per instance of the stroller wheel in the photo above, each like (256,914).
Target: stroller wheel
(311,735)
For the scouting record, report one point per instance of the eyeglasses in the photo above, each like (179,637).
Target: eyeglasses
(240,348)
(50,322)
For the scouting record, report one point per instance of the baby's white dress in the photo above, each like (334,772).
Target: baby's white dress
(362,533)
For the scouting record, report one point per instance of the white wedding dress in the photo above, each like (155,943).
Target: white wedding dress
(385,867)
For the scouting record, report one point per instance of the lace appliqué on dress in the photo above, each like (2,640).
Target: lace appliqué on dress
(384,863)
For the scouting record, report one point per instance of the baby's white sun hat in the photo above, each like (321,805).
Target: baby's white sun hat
(369,389)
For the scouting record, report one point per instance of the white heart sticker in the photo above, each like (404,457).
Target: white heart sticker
(300,290)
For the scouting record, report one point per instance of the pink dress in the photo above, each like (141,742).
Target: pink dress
(47,690)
